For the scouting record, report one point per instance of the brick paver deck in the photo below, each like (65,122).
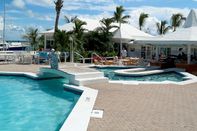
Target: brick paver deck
(146,108)
(139,108)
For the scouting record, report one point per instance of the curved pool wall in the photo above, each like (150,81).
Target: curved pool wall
(79,117)
(188,78)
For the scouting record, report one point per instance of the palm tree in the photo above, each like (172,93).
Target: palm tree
(41,41)
(58,7)
(69,20)
(76,36)
(142,19)
(162,27)
(119,18)
(32,36)
(78,28)
(176,20)
(105,35)
(106,25)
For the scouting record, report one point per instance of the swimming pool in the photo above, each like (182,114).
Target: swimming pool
(167,76)
(27,104)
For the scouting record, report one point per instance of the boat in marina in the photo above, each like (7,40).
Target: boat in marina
(14,45)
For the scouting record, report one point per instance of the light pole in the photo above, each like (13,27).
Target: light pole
(71,50)
(120,41)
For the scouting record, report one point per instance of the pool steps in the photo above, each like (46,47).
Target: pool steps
(74,78)
(87,78)
(91,80)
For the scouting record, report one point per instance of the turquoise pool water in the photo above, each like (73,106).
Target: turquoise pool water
(34,105)
(170,76)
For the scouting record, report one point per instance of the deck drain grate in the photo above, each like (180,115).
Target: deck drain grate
(97,114)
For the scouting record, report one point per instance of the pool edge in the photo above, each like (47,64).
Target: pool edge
(79,117)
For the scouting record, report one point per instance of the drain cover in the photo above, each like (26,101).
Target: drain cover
(97,114)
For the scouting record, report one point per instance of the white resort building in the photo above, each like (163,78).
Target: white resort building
(181,44)
(48,35)
(125,34)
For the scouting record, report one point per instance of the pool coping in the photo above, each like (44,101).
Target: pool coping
(79,117)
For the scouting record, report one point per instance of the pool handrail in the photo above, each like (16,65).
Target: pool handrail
(92,57)
(83,59)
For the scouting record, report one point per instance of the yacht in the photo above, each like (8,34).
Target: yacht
(14,45)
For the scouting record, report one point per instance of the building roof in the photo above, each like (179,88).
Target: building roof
(90,26)
(191,20)
(128,33)
(185,35)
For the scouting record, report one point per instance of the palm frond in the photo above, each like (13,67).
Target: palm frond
(176,20)
(118,15)
(142,19)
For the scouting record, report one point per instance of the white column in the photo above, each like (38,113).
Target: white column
(45,42)
(157,53)
(188,54)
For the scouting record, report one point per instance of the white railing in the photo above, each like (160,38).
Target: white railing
(92,56)
(83,59)
(16,57)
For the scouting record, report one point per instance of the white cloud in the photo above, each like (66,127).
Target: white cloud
(1,27)
(156,14)
(30,13)
(38,16)
(19,3)
(162,13)
(1,23)
(40,2)
(16,28)
(46,18)
(107,5)
(106,8)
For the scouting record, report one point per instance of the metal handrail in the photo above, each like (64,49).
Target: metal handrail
(83,59)
(94,53)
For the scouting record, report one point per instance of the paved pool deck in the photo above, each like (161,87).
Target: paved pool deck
(138,107)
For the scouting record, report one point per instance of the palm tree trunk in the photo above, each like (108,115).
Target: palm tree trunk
(174,29)
(57,20)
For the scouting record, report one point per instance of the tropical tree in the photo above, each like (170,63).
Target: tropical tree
(78,28)
(58,7)
(32,36)
(106,25)
(62,43)
(176,20)
(100,40)
(105,34)
(162,27)
(69,20)
(142,19)
(77,35)
(41,41)
(120,18)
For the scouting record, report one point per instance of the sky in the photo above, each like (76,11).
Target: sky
(22,14)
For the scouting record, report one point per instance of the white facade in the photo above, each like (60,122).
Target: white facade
(181,42)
